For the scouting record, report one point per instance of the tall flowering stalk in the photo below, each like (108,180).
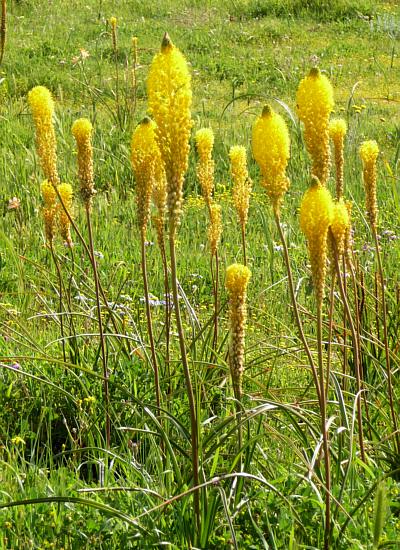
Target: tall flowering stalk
(205,165)
(160,202)
(3,28)
(241,191)
(65,193)
(337,132)
(170,99)
(42,107)
(236,282)
(337,236)
(144,153)
(316,214)
(214,237)
(82,131)
(271,150)
(369,152)
(113,24)
(315,103)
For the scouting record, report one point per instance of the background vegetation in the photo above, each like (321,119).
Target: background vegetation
(242,54)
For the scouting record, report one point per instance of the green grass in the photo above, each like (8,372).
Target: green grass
(242,53)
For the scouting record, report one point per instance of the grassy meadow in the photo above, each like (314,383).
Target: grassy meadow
(261,464)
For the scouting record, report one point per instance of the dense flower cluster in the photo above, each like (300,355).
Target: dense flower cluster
(42,107)
(339,226)
(49,209)
(66,195)
(369,152)
(144,153)
(316,213)
(241,182)
(314,105)
(337,132)
(205,166)
(236,281)
(82,131)
(271,150)
(170,98)
(215,228)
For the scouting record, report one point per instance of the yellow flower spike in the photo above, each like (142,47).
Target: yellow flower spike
(315,103)
(82,130)
(271,150)
(236,281)
(170,98)
(339,226)
(205,167)
(242,183)
(369,152)
(337,132)
(159,198)
(42,107)
(49,209)
(113,22)
(66,195)
(316,213)
(144,153)
(215,227)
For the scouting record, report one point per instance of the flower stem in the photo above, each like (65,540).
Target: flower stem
(325,442)
(100,322)
(60,299)
(385,340)
(149,323)
(295,307)
(188,381)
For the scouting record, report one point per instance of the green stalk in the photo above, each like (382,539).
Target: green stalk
(149,322)
(188,381)
(60,299)
(356,354)
(325,442)
(3,28)
(385,340)
(319,389)
(100,322)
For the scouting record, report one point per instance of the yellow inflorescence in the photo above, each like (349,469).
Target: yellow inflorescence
(215,228)
(337,132)
(144,153)
(135,49)
(66,195)
(205,167)
(49,209)
(314,105)
(340,224)
(236,281)
(82,131)
(369,152)
(271,150)
(241,182)
(316,213)
(159,198)
(170,99)
(42,107)
(113,22)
